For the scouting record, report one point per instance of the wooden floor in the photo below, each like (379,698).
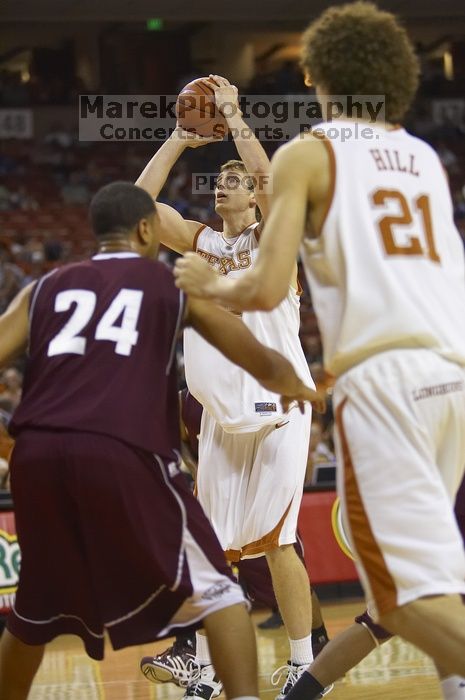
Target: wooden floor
(397,671)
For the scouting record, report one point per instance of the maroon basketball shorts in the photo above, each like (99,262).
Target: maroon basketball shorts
(111,540)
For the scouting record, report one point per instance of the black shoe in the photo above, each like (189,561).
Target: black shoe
(205,686)
(272,623)
(176,665)
(291,673)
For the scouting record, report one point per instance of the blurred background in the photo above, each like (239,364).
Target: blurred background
(53,50)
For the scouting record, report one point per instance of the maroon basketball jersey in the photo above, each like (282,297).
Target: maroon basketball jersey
(102,352)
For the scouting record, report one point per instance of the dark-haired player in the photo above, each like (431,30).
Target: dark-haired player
(100,504)
(370,205)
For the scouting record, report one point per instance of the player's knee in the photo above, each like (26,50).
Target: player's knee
(397,620)
(279,552)
(379,634)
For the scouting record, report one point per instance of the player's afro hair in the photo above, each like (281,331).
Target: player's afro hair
(357,49)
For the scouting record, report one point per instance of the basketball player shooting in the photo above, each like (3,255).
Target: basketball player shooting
(386,269)
(252,457)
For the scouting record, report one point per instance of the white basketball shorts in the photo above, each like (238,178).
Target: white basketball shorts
(250,484)
(400,443)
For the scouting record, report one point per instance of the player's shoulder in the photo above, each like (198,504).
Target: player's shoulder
(420,144)
(60,272)
(305,149)
(205,236)
(304,160)
(156,269)
(154,278)
(432,163)
(206,230)
(118,267)
(156,266)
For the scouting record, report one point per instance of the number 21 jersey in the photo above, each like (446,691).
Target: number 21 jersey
(387,271)
(102,352)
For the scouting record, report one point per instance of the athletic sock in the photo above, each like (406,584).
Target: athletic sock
(301,650)
(306,688)
(453,688)
(202,652)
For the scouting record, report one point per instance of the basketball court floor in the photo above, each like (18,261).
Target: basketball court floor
(396,671)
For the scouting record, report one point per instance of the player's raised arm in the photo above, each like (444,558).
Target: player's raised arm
(155,173)
(173,230)
(14,326)
(250,150)
(177,237)
(300,173)
(231,336)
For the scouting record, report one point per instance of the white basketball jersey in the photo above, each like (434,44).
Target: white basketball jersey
(387,271)
(231,395)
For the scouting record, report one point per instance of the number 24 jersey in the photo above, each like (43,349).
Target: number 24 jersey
(102,352)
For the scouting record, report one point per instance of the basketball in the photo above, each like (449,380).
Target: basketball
(196,110)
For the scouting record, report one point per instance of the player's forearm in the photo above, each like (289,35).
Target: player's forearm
(156,172)
(282,378)
(272,370)
(259,288)
(245,293)
(250,150)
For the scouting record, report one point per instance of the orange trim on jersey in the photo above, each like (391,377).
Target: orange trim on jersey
(258,231)
(368,551)
(221,233)
(264,544)
(232,555)
(332,182)
(196,237)
(245,229)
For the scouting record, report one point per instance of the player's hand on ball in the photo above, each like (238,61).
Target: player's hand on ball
(226,95)
(195,276)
